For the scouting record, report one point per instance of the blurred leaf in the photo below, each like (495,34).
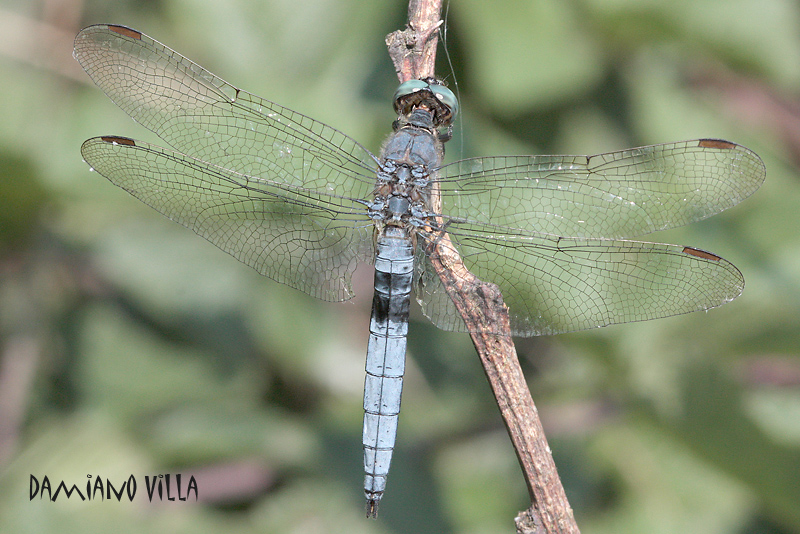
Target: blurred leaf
(527,54)
(716,426)
(22,198)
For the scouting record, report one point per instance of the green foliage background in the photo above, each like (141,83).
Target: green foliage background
(130,346)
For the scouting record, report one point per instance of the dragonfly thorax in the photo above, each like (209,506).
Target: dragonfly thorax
(414,142)
(402,192)
(402,195)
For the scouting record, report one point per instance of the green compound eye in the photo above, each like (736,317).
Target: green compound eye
(409,87)
(415,92)
(446,97)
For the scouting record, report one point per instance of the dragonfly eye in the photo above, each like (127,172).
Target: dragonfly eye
(429,93)
(446,97)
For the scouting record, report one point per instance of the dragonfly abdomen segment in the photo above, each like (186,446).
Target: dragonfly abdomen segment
(394,269)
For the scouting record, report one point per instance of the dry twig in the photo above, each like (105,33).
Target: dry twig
(413,52)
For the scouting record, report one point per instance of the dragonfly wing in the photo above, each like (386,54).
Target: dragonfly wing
(306,239)
(432,296)
(200,114)
(553,285)
(617,195)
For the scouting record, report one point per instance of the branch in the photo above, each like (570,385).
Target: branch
(413,52)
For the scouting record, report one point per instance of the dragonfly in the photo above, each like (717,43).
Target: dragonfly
(302,203)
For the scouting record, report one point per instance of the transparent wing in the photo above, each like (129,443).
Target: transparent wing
(554,285)
(304,238)
(199,114)
(614,196)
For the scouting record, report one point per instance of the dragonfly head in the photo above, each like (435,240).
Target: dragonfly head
(430,94)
